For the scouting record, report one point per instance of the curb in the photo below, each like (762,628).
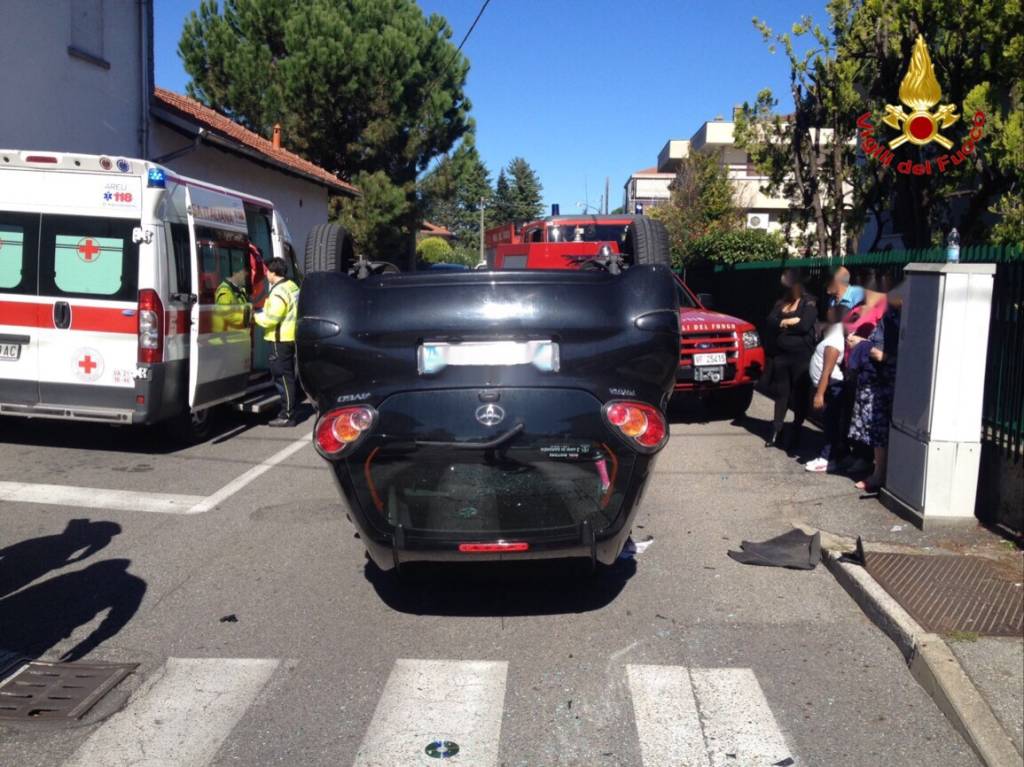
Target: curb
(931,663)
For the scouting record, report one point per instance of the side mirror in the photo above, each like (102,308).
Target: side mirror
(706,300)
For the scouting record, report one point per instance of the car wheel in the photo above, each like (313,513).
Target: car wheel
(329,248)
(731,403)
(191,427)
(649,240)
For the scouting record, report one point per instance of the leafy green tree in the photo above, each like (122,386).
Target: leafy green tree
(739,246)
(359,87)
(808,155)
(702,200)
(855,65)
(434,250)
(517,196)
(977,50)
(452,192)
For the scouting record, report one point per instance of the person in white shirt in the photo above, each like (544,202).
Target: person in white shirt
(827,378)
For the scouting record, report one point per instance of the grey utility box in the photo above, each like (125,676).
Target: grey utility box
(935,434)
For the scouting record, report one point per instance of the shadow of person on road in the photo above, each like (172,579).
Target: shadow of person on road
(143,440)
(36,619)
(499,589)
(24,561)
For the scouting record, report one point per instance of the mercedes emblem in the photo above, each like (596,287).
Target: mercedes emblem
(490,414)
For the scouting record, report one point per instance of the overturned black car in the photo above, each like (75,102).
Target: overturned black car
(491,414)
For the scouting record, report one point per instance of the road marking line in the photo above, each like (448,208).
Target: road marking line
(667,721)
(738,723)
(97,498)
(255,472)
(180,717)
(428,700)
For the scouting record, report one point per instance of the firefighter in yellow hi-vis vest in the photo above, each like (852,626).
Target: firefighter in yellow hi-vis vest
(230,299)
(278,320)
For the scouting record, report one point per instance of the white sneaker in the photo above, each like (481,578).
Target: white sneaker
(817,465)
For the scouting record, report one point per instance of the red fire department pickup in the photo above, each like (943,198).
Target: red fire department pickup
(720,357)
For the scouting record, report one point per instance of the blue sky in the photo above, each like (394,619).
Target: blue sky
(585,89)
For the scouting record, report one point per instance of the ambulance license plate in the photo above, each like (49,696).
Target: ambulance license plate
(717,358)
(10,352)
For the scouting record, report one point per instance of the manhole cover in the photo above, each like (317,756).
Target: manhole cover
(46,691)
(949,593)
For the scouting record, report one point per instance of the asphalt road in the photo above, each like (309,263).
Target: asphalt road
(680,657)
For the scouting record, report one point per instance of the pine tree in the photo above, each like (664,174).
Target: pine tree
(525,191)
(359,87)
(501,206)
(450,194)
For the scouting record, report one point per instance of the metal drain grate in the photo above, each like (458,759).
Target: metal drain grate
(53,691)
(952,593)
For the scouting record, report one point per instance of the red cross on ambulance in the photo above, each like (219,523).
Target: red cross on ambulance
(88,250)
(88,365)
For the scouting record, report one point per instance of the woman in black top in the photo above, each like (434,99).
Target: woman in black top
(791,327)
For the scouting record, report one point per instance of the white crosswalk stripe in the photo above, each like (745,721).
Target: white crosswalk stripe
(180,717)
(437,700)
(703,717)
(685,717)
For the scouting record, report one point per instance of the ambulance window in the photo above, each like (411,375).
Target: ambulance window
(221,255)
(88,257)
(180,252)
(18,247)
(259,231)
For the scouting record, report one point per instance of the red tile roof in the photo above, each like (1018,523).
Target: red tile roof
(435,230)
(652,171)
(218,123)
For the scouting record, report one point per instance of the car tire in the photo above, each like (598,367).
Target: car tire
(329,248)
(191,427)
(649,240)
(731,403)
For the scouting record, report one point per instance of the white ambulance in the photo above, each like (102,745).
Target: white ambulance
(127,291)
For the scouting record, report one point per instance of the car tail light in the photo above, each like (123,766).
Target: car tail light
(151,327)
(338,429)
(491,548)
(642,424)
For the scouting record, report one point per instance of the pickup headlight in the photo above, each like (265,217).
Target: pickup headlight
(751,340)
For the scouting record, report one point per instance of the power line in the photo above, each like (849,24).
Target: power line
(473,25)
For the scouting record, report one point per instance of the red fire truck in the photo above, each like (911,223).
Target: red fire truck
(720,357)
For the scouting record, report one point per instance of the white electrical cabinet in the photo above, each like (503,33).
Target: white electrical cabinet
(935,434)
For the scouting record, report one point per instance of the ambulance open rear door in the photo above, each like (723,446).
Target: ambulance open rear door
(220,343)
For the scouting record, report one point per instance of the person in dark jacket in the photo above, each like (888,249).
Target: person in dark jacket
(790,326)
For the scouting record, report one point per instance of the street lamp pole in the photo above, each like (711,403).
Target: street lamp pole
(481,230)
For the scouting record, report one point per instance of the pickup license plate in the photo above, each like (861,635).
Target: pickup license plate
(717,358)
(10,352)
(434,356)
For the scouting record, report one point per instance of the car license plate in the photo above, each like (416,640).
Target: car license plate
(434,356)
(10,352)
(718,358)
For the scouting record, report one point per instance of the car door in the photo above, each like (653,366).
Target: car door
(220,336)
(88,292)
(19,308)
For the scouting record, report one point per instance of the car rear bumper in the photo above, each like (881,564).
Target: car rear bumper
(162,394)
(391,550)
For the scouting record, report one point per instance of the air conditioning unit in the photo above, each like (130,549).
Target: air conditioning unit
(757,221)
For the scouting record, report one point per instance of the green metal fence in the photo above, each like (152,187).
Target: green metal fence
(748,290)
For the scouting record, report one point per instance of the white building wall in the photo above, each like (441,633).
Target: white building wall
(53,100)
(302,203)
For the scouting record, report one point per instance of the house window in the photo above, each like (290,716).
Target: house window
(87,32)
